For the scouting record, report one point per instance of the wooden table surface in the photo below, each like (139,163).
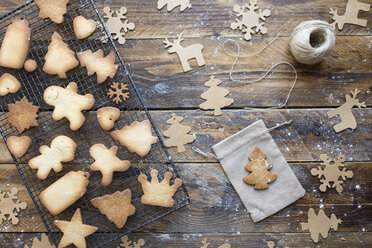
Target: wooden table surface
(215,212)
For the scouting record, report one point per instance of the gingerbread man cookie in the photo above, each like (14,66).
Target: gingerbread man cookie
(62,149)
(68,103)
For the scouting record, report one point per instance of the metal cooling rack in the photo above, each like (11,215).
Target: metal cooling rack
(33,86)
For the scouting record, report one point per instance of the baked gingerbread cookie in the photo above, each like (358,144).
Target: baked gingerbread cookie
(137,137)
(16,44)
(22,115)
(107,116)
(18,146)
(68,103)
(117,207)
(52,9)
(65,191)
(159,194)
(59,58)
(96,63)
(62,149)
(107,162)
(83,28)
(74,231)
(8,84)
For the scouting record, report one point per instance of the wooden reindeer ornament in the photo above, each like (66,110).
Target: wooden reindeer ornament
(185,53)
(171,4)
(344,111)
(351,14)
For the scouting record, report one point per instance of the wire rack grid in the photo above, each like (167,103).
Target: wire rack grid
(33,86)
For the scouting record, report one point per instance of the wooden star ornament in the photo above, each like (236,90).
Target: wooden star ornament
(74,231)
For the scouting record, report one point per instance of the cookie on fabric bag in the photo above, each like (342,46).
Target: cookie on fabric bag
(83,27)
(107,116)
(65,191)
(18,146)
(107,162)
(117,207)
(137,137)
(52,9)
(68,104)
(60,58)
(158,194)
(16,44)
(74,231)
(62,149)
(9,84)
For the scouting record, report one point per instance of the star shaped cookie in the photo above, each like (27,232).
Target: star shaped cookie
(107,162)
(137,137)
(74,231)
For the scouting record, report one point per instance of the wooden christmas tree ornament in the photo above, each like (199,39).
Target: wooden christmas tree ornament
(171,4)
(258,167)
(215,97)
(351,14)
(42,243)
(177,134)
(185,53)
(319,224)
(344,111)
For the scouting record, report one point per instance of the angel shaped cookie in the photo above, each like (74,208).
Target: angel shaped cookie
(68,103)
(62,149)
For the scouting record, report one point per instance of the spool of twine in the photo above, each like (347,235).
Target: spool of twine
(312,41)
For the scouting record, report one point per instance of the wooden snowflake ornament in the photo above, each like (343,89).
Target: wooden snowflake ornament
(116,27)
(171,4)
(344,111)
(10,206)
(319,224)
(118,90)
(215,97)
(250,19)
(259,167)
(185,53)
(351,14)
(177,134)
(331,173)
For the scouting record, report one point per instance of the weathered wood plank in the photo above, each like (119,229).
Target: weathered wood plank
(216,207)
(160,76)
(193,240)
(310,135)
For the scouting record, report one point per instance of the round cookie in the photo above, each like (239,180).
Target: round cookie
(30,65)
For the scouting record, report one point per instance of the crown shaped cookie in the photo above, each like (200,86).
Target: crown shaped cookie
(159,194)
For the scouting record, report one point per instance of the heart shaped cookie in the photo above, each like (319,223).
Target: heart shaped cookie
(83,28)
(8,84)
(107,116)
(18,146)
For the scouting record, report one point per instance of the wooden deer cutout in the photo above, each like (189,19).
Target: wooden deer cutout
(351,14)
(344,111)
(185,53)
(171,4)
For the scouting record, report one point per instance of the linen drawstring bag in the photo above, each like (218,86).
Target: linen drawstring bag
(233,154)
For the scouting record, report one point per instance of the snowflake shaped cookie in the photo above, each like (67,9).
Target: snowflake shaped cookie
(10,206)
(331,173)
(250,19)
(116,27)
(117,91)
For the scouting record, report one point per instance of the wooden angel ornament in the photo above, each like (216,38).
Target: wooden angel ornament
(351,14)
(344,111)
(185,53)
(215,97)
(177,134)
(259,167)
